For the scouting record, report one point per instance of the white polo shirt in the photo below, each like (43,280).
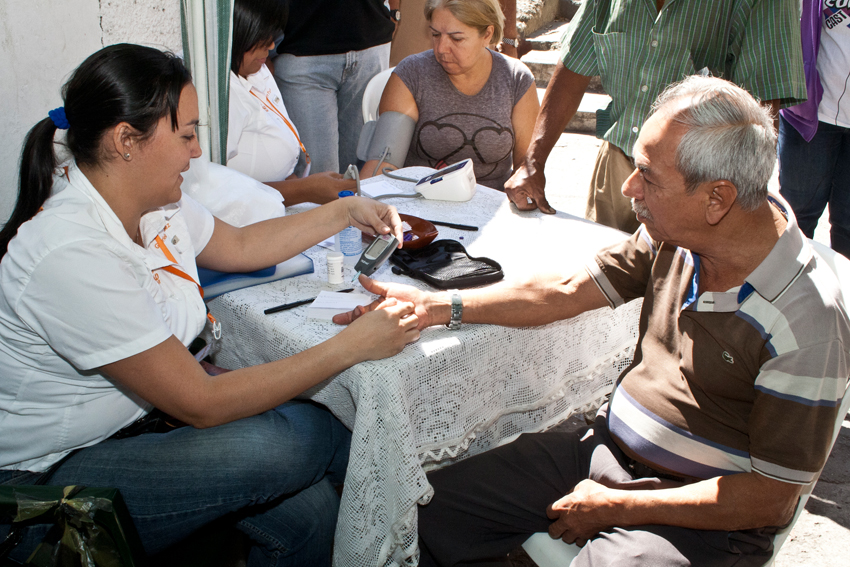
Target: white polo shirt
(77,293)
(259,141)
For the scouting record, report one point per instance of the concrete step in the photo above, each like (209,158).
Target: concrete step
(531,15)
(548,37)
(585,117)
(542,64)
(545,41)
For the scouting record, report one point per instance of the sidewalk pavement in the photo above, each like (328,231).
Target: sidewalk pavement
(821,537)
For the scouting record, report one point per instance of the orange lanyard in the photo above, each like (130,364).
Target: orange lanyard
(181,274)
(274,109)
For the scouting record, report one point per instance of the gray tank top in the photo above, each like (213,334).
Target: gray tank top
(453,126)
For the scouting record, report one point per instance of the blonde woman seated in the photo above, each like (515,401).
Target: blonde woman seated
(262,141)
(467,100)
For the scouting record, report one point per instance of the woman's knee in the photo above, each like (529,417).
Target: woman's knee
(297,440)
(297,530)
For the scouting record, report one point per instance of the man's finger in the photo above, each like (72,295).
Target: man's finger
(522,203)
(348,317)
(556,531)
(373,286)
(539,198)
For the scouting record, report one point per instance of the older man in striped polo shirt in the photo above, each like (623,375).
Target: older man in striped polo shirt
(740,367)
(638,47)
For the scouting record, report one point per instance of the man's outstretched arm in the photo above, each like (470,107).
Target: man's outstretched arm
(535,301)
(560,103)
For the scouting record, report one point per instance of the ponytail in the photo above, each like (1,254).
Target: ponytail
(38,162)
(120,83)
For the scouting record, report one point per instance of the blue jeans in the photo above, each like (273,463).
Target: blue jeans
(815,174)
(273,473)
(323,95)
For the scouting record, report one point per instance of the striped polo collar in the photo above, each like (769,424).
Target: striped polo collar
(785,262)
(789,257)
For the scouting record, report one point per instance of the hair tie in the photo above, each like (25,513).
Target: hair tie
(59,118)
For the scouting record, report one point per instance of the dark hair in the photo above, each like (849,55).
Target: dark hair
(120,83)
(255,21)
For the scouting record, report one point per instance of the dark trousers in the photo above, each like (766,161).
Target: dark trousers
(814,175)
(487,505)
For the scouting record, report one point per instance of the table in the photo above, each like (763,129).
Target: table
(453,393)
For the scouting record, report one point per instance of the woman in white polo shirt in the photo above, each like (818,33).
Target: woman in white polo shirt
(99,300)
(262,141)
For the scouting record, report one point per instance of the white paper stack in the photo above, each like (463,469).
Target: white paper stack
(330,303)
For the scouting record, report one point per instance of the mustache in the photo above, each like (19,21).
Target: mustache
(639,207)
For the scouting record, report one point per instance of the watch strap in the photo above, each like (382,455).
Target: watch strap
(512,41)
(457,311)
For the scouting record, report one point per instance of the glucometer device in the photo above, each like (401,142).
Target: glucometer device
(375,255)
(453,183)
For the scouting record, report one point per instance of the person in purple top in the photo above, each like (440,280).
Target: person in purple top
(814,137)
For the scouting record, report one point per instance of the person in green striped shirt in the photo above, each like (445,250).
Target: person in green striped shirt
(639,47)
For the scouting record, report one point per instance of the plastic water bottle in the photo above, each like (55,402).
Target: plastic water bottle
(348,241)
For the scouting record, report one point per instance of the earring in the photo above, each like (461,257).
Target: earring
(127,156)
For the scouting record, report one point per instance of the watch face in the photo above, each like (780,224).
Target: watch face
(395,15)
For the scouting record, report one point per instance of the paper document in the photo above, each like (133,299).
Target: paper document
(330,303)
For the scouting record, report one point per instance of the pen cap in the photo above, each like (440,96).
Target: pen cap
(334,267)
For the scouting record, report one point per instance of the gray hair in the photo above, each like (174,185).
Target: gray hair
(730,136)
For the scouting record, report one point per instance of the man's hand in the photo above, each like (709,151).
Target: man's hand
(528,182)
(390,292)
(508,50)
(577,516)
(385,331)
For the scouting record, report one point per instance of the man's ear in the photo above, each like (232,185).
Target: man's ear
(124,141)
(721,196)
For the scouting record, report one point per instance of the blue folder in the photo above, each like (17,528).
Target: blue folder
(216,283)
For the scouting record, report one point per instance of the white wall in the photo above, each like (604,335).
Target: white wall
(43,41)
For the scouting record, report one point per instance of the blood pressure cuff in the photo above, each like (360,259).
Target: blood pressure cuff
(393,131)
(445,264)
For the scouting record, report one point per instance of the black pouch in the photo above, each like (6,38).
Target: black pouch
(446,265)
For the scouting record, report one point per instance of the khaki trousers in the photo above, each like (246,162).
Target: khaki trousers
(606,203)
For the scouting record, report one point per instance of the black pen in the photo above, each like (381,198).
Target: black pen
(453,225)
(294,304)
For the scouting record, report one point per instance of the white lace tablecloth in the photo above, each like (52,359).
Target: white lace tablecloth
(453,393)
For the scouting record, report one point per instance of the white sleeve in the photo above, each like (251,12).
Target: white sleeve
(199,221)
(87,303)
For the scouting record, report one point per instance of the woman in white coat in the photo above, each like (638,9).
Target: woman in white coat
(262,141)
(99,301)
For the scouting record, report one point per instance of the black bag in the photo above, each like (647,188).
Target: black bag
(446,265)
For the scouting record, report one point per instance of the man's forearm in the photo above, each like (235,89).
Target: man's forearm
(560,103)
(734,502)
(509,10)
(536,301)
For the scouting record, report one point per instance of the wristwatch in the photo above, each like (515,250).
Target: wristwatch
(457,312)
(513,42)
(395,15)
